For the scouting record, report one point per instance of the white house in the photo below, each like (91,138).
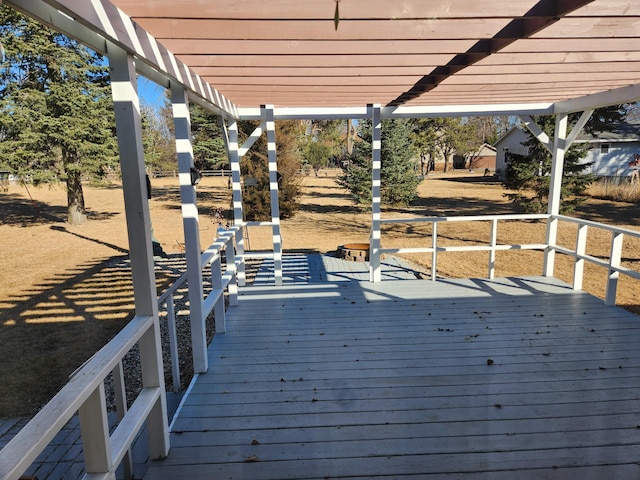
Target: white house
(612,151)
(609,152)
(510,142)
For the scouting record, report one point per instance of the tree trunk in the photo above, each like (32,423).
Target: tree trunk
(446,162)
(76,213)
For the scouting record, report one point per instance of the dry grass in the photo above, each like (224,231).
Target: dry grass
(64,292)
(623,191)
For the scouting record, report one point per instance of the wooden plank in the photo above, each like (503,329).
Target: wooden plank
(422,465)
(393,380)
(220,394)
(436,445)
(462,427)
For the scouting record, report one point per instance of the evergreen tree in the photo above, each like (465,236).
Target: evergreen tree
(317,155)
(254,165)
(56,114)
(528,176)
(399,180)
(209,152)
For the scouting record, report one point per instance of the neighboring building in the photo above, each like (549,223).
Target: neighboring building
(610,152)
(481,159)
(510,142)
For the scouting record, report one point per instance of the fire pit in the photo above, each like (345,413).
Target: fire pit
(355,252)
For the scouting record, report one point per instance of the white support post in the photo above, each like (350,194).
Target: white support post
(577,128)
(94,428)
(615,258)
(434,253)
(190,223)
(578,266)
(267,116)
(555,186)
(129,132)
(157,428)
(253,138)
(492,252)
(173,343)
(230,255)
(375,274)
(216,284)
(537,132)
(120,397)
(238,216)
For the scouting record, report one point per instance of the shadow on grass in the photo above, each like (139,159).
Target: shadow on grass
(475,179)
(22,212)
(83,237)
(50,329)
(611,213)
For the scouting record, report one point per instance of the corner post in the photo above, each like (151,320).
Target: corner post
(375,275)
(268,118)
(191,226)
(238,215)
(555,186)
(129,132)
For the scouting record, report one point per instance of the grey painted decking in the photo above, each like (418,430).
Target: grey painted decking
(513,378)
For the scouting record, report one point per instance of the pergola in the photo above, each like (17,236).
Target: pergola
(350,59)
(453,57)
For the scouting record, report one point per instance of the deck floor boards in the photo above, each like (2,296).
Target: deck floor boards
(510,378)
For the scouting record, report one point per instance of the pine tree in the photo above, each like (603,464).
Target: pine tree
(56,114)
(209,151)
(528,176)
(399,180)
(257,197)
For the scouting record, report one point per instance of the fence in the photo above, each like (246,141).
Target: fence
(203,173)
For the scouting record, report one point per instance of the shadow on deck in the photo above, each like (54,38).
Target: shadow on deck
(508,378)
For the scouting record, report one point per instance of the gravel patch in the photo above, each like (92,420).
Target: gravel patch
(131,362)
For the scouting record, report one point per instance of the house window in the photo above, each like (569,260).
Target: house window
(604,148)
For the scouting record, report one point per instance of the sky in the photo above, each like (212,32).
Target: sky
(150,93)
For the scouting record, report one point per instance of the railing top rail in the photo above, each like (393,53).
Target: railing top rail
(257,224)
(602,226)
(468,218)
(206,257)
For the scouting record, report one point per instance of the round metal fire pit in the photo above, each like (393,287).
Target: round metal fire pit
(355,252)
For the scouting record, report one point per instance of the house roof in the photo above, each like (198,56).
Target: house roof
(445,57)
(515,130)
(486,149)
(621,132)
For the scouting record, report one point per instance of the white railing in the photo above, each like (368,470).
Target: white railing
(613,264)
(491,247)
(244,251)
(103,451)
(220,281)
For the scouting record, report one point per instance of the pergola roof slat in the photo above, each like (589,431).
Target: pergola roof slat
(289,53)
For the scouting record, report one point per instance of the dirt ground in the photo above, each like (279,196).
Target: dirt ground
(64,292)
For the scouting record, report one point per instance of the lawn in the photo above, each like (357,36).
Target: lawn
(65,290)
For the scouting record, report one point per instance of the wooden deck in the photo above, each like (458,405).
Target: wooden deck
(476,379)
